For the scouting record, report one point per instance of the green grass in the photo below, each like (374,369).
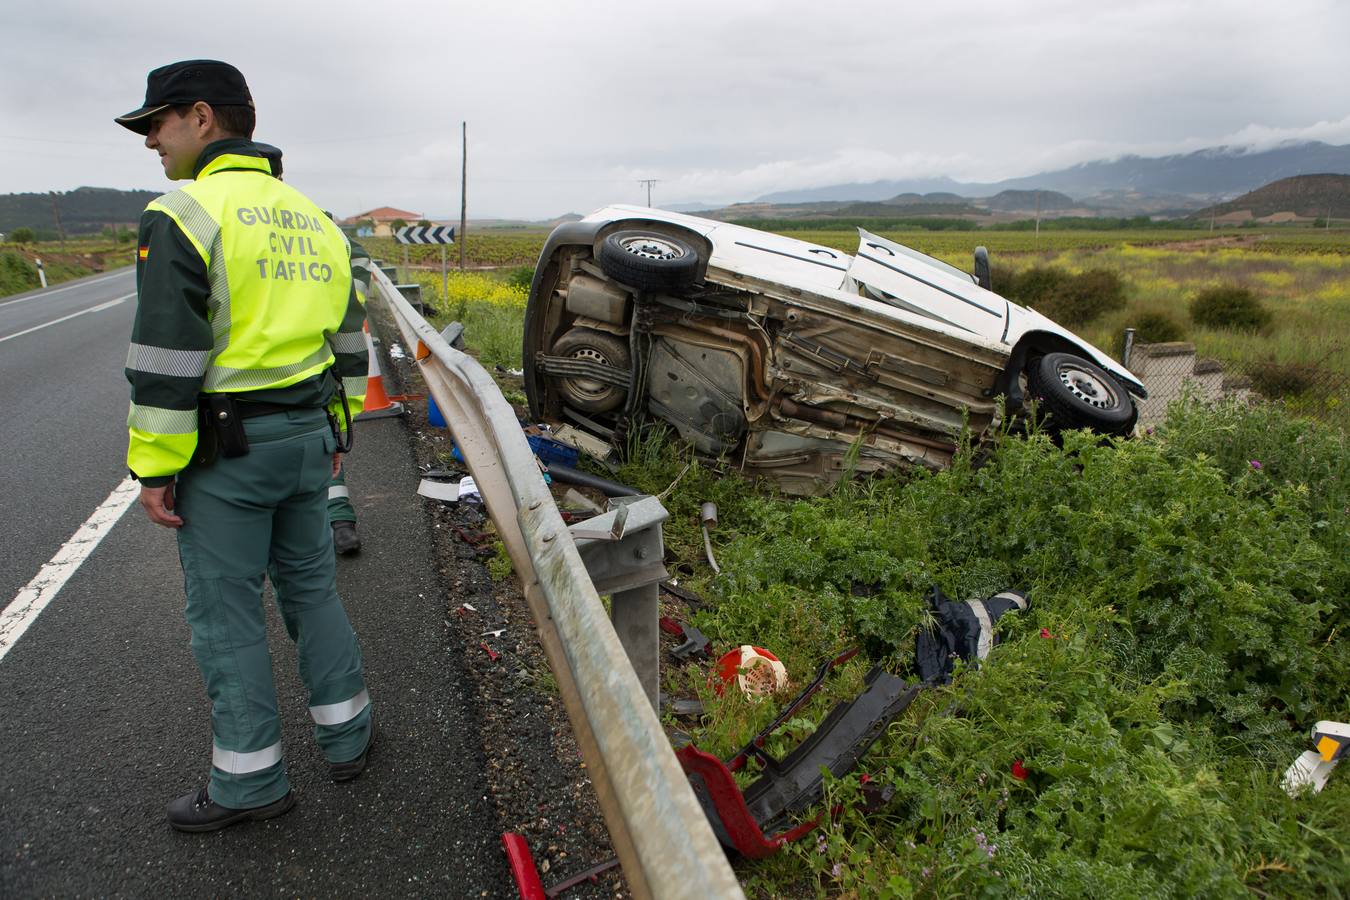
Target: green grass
(1193,603)
(491,310)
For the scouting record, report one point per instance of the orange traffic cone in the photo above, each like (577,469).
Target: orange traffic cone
(378,403)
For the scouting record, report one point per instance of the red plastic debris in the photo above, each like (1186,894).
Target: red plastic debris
(670,626)
(523,872)
(492,655)
(711,778)
(1019,771)
(1045,633)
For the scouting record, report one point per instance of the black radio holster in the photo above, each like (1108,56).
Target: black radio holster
(225,424)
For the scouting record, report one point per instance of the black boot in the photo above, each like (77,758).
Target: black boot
(198,812)
(346,771)
(345,538)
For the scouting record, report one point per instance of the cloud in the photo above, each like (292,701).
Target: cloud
(570,103)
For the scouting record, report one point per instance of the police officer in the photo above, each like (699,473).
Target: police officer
(246,322)
(341,512)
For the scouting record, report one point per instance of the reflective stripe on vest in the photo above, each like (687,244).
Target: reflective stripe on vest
(279,271)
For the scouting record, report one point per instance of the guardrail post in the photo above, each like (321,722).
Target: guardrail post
(413,294)
(624,553)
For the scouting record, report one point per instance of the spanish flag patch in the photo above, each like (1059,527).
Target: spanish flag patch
(143,253)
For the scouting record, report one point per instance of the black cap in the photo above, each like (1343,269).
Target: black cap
(272,154)
(182,83)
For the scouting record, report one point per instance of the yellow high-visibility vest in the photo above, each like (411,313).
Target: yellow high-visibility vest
(280,279)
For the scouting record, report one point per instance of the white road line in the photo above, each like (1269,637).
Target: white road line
(105,305)
(23,610)
(66,287)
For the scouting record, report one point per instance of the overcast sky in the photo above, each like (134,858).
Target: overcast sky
(569,104)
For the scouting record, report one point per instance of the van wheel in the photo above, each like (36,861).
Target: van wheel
(1077,394)
(589,394)
(648,261)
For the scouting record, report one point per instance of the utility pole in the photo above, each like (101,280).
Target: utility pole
(56,214)
(648,182)
(463,190)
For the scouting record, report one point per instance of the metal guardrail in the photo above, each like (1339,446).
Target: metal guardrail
(660,834)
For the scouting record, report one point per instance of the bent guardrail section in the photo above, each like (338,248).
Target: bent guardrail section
(659,831)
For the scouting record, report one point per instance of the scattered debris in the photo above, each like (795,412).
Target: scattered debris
(549,450)
(591,446)
(755,670)
(1313,767)
(695,642)
(567,475)
(961,631)
(526,875)
(744,821)
(680,707)
(395,351)
(465,489)
(574,497)
(673,588)
(707,516)
(480,541)
(492,654)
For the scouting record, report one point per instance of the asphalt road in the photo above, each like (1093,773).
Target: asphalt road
(63,412)
(103,718)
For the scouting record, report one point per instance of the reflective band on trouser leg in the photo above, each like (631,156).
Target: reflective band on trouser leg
(340,507)
(986,639)
(237,763)
(337,713)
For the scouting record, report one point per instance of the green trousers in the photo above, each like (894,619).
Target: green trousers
(265,513)
(340,507)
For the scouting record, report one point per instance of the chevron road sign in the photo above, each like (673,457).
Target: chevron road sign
(425,234)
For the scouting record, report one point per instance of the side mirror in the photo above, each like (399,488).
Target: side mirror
(982,269)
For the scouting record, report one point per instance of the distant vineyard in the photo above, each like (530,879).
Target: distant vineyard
(962,243)
(1305,241)
(480,249)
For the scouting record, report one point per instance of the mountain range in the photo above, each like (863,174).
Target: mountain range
(1126,185)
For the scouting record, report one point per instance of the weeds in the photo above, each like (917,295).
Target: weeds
(1182,637)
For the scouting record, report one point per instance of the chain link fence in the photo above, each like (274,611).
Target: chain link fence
(1173,370)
